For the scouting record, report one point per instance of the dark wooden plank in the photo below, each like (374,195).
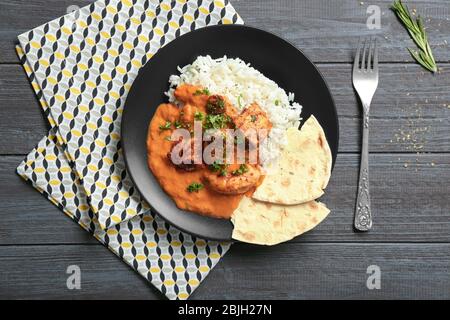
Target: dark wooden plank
(22,123)
(39,272)
(325,30)
(303,271)
(330,271)
(329,30)
(408,199)
(409,204)
(27,217)
(410,111)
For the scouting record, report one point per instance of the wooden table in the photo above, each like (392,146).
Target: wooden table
(409,157)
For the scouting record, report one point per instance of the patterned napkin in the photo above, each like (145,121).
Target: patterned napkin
(81,67)
(85,63)
(172,261)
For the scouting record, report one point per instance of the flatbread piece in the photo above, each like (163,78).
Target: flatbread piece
(269,224)
(303,168)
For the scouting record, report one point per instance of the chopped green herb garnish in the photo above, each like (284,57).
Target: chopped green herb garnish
(200,116)
(195,187)
(204,91)
(215,166)
(239,101)
(242,169)
(219,167)
(168,138)
(177,124)
(216,121)
(277,102)
(253,118)
(165,126)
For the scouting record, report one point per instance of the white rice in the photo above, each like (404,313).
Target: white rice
(243,85)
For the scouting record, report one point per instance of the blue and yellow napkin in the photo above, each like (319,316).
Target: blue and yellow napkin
(82,66)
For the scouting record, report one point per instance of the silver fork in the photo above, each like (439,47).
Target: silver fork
(365,81)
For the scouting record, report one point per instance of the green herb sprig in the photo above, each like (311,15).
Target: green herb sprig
(417,32)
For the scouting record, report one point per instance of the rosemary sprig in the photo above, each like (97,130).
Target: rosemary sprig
(417,32)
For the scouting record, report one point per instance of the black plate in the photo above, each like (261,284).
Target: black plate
(276,58)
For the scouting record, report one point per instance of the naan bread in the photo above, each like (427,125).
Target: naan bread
(269,224)
(303,168)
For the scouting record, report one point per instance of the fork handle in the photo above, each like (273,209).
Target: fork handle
(363,215)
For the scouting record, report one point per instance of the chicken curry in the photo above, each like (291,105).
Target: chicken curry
(214,189)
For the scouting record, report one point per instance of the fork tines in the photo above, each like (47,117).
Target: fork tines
(368,59)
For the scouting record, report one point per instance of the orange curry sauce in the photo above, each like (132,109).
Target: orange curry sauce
(175,181)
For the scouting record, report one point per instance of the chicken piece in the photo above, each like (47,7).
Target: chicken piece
(187,114)
(253,122)
(185,161)
(237,181)
(217,104)
(190,94)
